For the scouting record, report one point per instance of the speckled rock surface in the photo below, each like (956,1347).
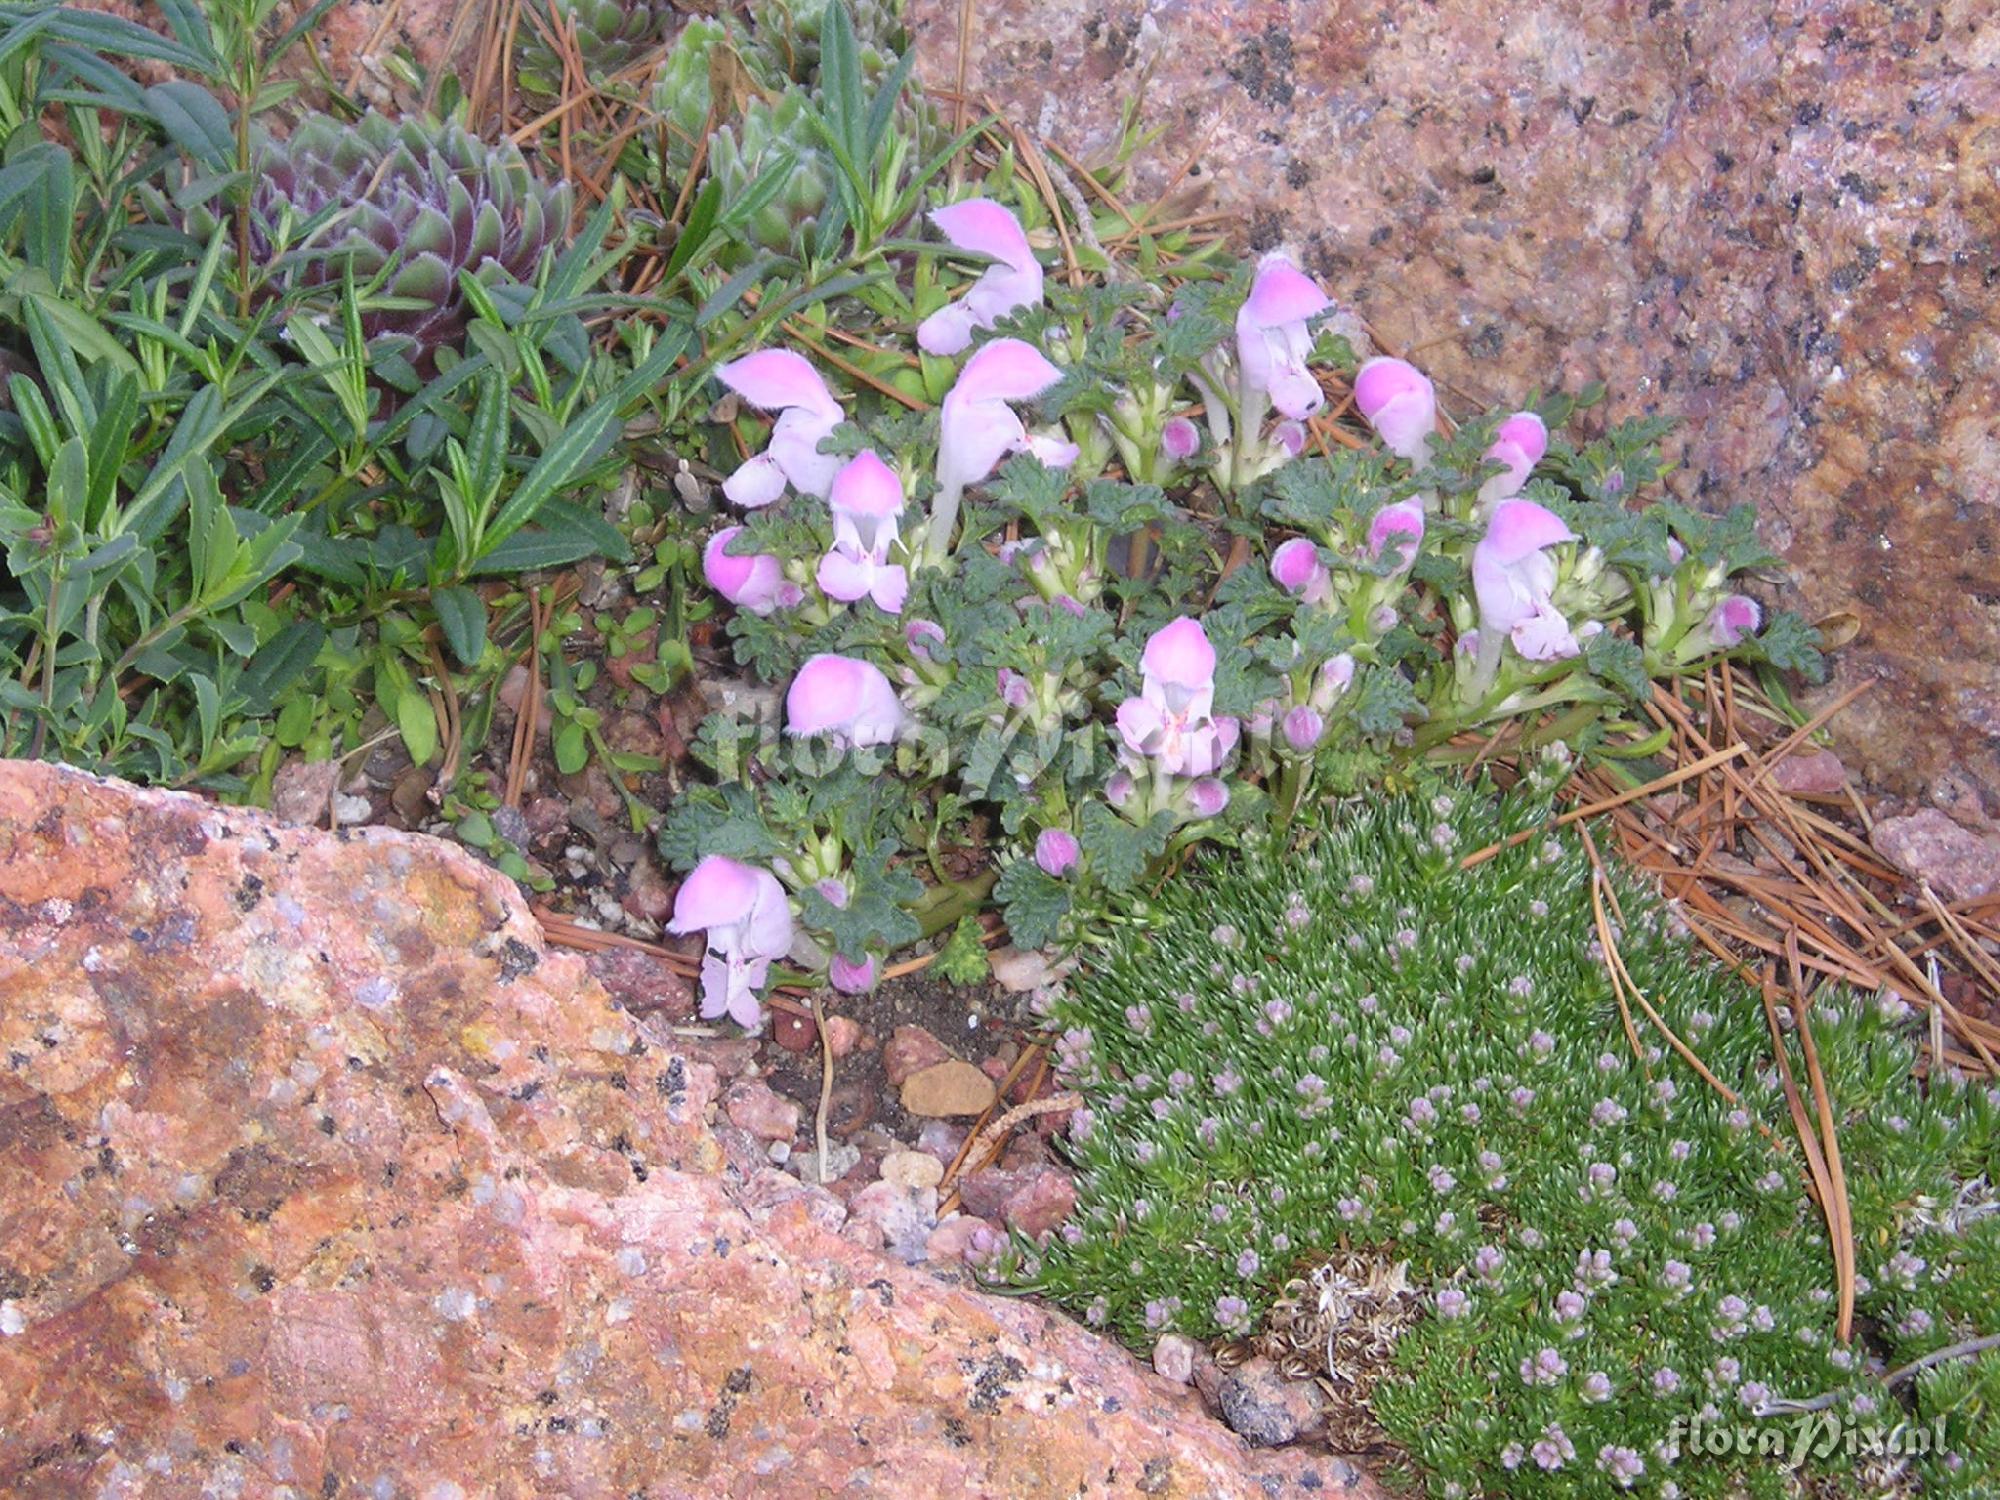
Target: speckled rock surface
(320,1175)
(1778,223)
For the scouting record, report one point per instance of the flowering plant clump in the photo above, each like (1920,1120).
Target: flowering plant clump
(1339,1039)
(1126,584)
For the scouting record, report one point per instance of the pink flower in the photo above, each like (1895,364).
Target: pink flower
(1170,720)
(1514,580)
(1272,340)
(977,428)
(1400,525)
(1013,281)
(1297,569)
(1735,617)
(1180,439)
(851,978)
(919,635)
(1290,436)
(1208,797)
(866,499)
(1519,443)
(755,581)
(748,920)
(845,698)
(1399,404)
(779,380)
(1057,851)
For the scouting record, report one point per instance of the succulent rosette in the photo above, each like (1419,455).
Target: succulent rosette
(609,36)
(409,206)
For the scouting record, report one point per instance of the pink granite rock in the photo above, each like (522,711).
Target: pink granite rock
(1959,864)
(1040,1205)
(753,1106)
(911,1049)
(1810,773)
(322,1175)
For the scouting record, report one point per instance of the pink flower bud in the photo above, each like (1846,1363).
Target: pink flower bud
(1296,566)
(1180,439)
(1400,525)
(851,978)
(1400,404)
(755,582)
(1291,436)
(1303,728)
(1014,689)
(1057,851)
(1119,788)
(1208,797)
(919,634)
(1519,444)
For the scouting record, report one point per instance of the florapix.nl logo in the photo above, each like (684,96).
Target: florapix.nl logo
(1805,1436)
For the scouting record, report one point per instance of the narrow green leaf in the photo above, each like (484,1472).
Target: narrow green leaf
(462,616)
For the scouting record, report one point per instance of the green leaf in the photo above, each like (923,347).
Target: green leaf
(1383,701)
(1788,643)
(417,723)
(1618,661)
(1120,851)
(195,122)
(1032,902)
(462,616)
(566,534)
(582,442)
(572,748)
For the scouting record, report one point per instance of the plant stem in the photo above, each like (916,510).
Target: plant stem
(943,905)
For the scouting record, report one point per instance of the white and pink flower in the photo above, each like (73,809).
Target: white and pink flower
(978,427)
(754,581)
(1170,721)
(844,699)
(747,918)
(1012,282)
(1514,579)
(1273,340)
(779,380)
(1400,404)
(866,500)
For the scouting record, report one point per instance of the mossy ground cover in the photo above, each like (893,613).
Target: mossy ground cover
(1348,1042)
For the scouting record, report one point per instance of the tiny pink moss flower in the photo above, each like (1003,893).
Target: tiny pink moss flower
(748,922)
(779,380)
